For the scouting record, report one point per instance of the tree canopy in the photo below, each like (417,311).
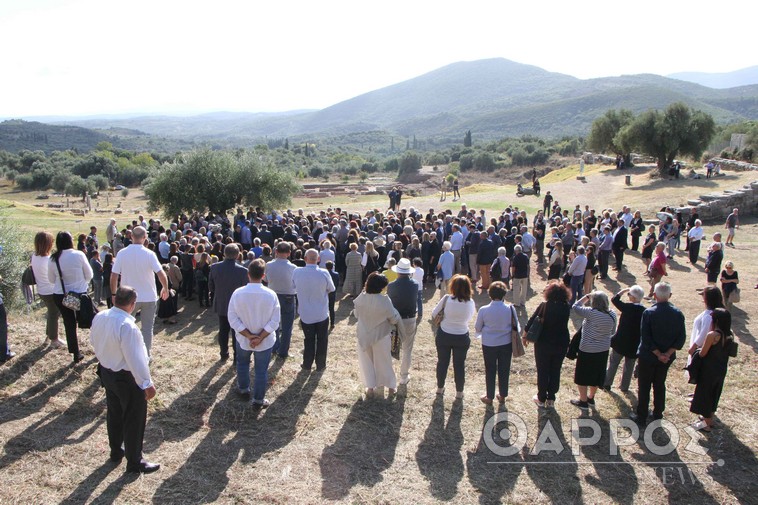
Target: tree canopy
(218,181)
(605,129)
(678,131)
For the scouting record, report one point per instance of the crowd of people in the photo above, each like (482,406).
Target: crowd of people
(261,270)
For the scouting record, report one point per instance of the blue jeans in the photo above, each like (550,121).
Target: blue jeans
(284,332)
(577,286)
(261,361)
(420,305)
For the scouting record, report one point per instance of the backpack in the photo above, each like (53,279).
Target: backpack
(28,276)
(496,270)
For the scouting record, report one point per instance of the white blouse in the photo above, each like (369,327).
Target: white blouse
(77,272)
(40,266)
(457,315)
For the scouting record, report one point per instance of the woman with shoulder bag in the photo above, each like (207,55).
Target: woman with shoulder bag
(598,327)
(715,358)
(43,244)
(452,335)
(550,348)
(69,272)
(494,323)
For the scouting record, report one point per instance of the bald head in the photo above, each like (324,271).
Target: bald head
(311,256)
(138,234)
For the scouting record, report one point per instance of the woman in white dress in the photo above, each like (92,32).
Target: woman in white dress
(376,316)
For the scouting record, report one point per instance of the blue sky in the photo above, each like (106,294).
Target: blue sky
(80,57)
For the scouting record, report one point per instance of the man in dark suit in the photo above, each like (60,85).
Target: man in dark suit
(662,333)
(619,244)
(226,277)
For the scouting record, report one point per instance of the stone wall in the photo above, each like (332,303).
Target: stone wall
(737,166)
(716,206)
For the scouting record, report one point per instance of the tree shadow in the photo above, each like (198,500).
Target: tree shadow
(57,429)
(491,475)
(21,364)
(439,454)
(545,467)
(36,397)
(235,429)
(364,448)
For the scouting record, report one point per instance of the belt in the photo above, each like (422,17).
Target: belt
(406,316)
(286,296)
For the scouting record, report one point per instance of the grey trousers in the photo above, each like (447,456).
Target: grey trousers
(613,364)
(147,320)
(457,261)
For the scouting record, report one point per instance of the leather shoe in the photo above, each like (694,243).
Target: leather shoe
(78,357)
(144,467)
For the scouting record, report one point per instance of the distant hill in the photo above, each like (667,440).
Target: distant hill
(493,98)
(16,135)
(723,80)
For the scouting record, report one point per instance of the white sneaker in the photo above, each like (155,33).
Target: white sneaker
(405,380)
(56,344)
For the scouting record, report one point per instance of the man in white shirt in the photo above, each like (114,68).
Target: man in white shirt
(313,285)
(124,373)
(326,253)
(137,267)
(627,216)
(456,244)
(254,316)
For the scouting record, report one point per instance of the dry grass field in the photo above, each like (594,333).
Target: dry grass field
(319,442)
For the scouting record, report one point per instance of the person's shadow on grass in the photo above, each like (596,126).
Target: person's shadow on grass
(439,454)
(364,447)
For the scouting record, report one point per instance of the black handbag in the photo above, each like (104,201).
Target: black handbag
(573,349)
(28,276)
(694,367)
(86,312)
(536,328)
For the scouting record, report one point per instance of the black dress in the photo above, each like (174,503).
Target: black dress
(167,308)
(647,252)
(710,381)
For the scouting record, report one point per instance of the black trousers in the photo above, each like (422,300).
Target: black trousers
(635,241)
(497,361)
(69,323)
(187,283)
(127,414)
(316,343)
(4,349)
(549,360)
(651,373)
(618,253)
(694,251)
(224,330)
(457,345)
(332,300)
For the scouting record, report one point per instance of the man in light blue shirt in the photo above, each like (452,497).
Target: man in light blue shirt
(445,265)
(313,285)
(279,276)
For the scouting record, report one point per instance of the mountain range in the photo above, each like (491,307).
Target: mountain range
(493,98)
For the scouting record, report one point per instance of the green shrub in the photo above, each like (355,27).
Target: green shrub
(14,258)
(125,192)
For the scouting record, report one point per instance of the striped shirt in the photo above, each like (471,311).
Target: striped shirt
(597,329)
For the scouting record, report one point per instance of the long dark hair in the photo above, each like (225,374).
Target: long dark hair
(63,241)
(722,321)
(713,298)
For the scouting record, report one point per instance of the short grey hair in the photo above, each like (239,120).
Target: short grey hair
(663,291)
(446,245)
(600,301)
(518,249)
(637,292)
(231,252)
